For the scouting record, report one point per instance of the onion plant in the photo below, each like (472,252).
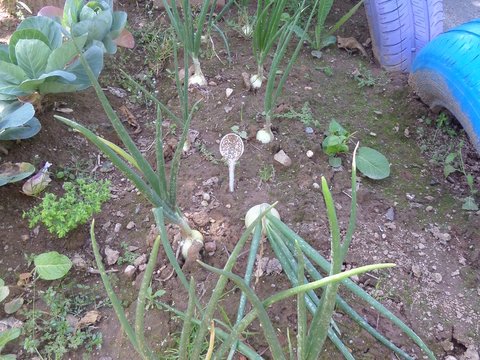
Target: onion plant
(265,34)
(155,186)
(265,135)
(288,246)
(191,37)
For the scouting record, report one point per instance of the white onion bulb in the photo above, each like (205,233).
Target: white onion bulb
(253,213)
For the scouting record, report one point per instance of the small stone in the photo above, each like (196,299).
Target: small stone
(142,267)
(390,215)
(142,259)
(228,109)
(416,271)
(112,255)
(106,225)
(439,327)
(283,158)
(206,197)
(376,111)
(118,226)
(119,214)
(316,186)
(455,273)
(308,88)
(130,225)
(201,218)
(210,246)
(25,237)
(429,209)
(437,277)
(373,134)
(429,198)
(309,153)
(212,83)
(409,197)
(228,92)
(309,130)
(355,279)
(228,206)
(130,271)
(204,203)
(78,262)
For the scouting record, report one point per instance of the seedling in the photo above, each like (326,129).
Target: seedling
(242,134)
(469,204)
(231,148)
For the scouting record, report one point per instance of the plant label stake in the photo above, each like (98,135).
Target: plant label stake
(231,148)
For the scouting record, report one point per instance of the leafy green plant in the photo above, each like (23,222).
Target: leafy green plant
(369,161)
(152,299)
(17,121)
(37,60)
(10,334)
(96,19)
(449,168)
(80,201)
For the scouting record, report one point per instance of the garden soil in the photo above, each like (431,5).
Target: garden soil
(413,218)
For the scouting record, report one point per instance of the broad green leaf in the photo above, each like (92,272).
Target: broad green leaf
(15,114)
(4,54)
(94,57)
(56,87)
(336,144)
(95,29)
(25,34)
(10,173)
(317,54)
(372,164)
(46,26)
(470,204)
(25,131)
(324,7)
(119,22)
(12,306)
(450,158)
(329,41)
(448,169)
(64,54)
(4,291)
(334,161)
(52,265)
(470,179)
(32,56)
(8,357)
(11,74)
(71,11)
(299,32)
(2,283)
(336,129)
(8,335)
(109,45)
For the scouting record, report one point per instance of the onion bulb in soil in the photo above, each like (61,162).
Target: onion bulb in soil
(264,136)
(194,236)
(253,213)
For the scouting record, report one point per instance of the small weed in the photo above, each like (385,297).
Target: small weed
(366,77)
(151,298)
(242,134)
(326,69)
(266,172)
(306,117)
(449,168)
(49,333)
(77,168)
(173,128)
(129,256)
(207,154)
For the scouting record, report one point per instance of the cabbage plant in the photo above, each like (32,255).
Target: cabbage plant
(96,19)
(17,121)
(37,60)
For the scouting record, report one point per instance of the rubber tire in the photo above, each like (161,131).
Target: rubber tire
(446,74)
(399,29)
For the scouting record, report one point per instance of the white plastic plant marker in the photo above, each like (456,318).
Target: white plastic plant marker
(231,148)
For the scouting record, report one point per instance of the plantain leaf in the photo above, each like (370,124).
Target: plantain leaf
(52,265)
(13,306)
(372,164)
(470,204)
